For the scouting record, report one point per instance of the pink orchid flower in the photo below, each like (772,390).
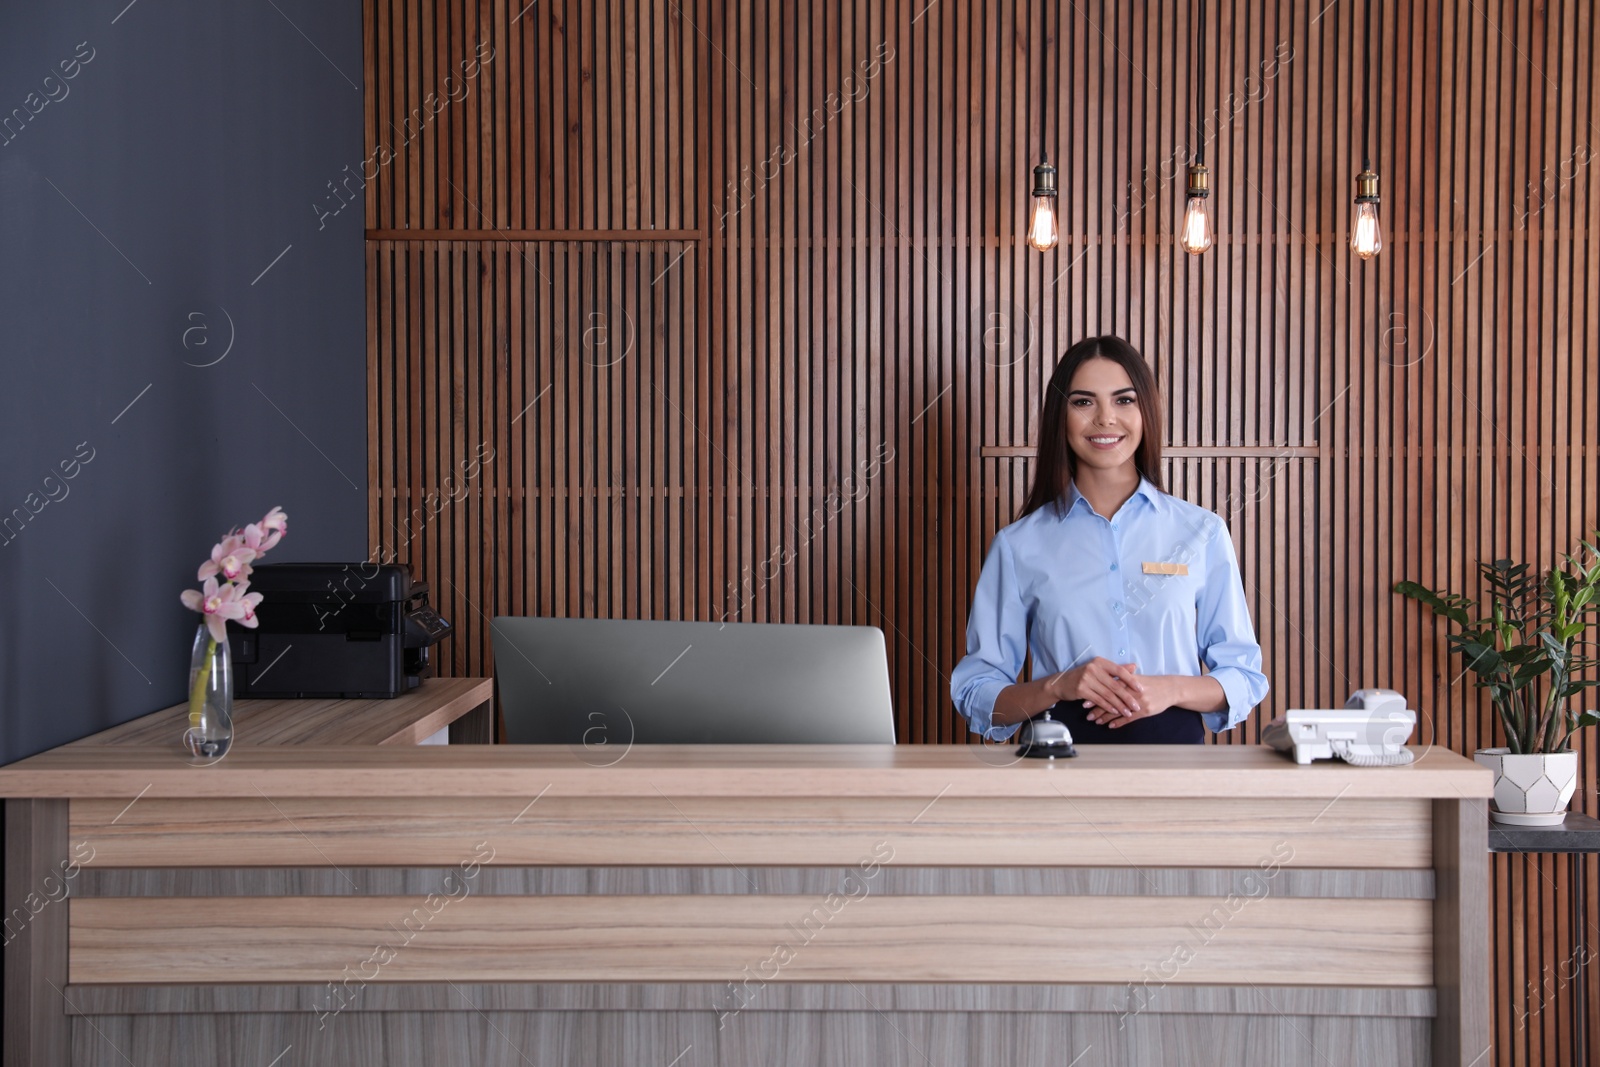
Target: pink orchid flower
(231,557)
(273,525)
(218,605)
(248,603)
(259,540)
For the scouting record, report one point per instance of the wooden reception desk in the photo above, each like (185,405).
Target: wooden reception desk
(740,905)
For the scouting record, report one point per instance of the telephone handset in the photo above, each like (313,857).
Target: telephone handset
(1371,730)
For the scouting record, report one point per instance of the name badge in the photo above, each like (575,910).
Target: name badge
(1166,568)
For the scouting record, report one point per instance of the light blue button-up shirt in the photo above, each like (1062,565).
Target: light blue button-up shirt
(1067,584)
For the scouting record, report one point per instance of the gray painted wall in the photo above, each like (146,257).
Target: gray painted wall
(166,180)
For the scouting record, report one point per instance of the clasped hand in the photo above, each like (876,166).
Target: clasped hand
(1115,694)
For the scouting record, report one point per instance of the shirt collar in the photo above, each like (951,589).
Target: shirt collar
(1070,500)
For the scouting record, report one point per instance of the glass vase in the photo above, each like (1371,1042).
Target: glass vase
(209,731)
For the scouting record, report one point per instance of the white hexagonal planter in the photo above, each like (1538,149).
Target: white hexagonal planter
(1530,790)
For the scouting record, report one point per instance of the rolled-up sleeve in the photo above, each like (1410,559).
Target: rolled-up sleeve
(997,643)
(1225,635)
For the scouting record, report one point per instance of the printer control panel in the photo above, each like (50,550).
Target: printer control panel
(424,627)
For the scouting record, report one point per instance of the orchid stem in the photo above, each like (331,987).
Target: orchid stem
(197,695)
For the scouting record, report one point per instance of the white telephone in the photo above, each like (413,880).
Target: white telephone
(1371,730)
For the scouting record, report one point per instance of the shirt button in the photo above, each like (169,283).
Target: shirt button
(1122,652)
(1113,566)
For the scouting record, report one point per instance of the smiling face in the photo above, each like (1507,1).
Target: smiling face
(1104,426)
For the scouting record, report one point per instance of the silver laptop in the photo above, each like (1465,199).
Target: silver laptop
(620,681)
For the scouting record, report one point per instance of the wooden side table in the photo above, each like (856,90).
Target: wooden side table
(464,705)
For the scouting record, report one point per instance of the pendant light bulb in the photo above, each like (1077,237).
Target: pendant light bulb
(1195,237)
(1366,234)
(1043,232)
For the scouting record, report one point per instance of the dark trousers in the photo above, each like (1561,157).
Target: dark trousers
(1175,726)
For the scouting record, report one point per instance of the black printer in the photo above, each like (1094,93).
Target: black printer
(350,630)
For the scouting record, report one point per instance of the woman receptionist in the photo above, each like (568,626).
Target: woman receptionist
(1120,592)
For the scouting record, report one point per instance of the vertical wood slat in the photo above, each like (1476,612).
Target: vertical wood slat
(1445,397)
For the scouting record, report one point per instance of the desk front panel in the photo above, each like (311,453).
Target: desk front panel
(1350,833)
(936,938)
(1295,891)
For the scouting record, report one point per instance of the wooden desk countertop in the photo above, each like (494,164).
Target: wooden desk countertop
(1176,771)
(405,720)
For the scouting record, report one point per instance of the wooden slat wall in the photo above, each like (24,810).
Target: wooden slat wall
(750,339)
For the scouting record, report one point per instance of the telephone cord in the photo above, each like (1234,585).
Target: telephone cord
(1384,759)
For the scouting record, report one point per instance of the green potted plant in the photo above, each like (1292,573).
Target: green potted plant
(1526,650)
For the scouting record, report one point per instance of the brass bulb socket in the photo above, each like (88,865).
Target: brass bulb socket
(1044,180)
(1366,187)
(1199,180)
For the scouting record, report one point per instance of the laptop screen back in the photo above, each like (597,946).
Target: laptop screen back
(623,681)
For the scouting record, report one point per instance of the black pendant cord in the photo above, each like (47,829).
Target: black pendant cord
(1044,80)
(1366,93)
(1200,86)
(1044,83)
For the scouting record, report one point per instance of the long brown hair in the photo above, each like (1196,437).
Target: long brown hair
(1056,464)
